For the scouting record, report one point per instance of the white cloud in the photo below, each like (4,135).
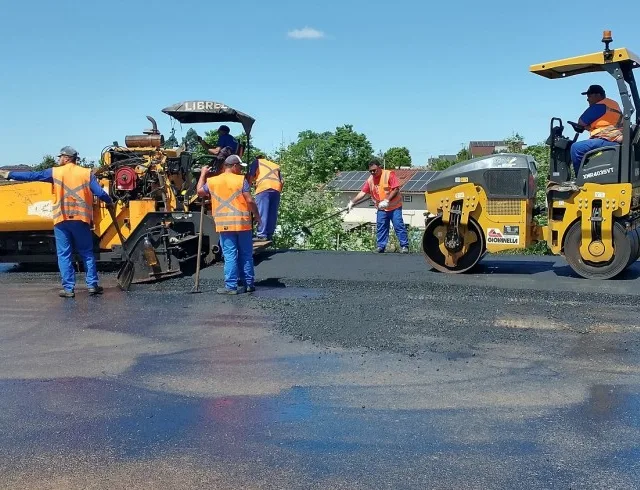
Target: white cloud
(306,33)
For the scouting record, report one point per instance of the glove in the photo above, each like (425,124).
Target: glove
(383,204)
(349,206)
(4,174)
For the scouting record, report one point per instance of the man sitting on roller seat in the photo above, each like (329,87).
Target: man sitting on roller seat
(603,120)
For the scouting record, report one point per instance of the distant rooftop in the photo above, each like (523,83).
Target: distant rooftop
(487,143)
(17,168)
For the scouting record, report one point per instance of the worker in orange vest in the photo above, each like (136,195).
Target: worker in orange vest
(268,180)
(232,206)
(384,188)
(73,190)
(603,119)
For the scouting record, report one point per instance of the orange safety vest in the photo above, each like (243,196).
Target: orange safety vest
(268,176)
(229,208)
(72,192)
(379,192)
(609,126)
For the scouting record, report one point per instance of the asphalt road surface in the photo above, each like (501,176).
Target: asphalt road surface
(343,370)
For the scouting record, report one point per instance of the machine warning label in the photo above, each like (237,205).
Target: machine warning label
(44,209)
(511,230)
(494,235)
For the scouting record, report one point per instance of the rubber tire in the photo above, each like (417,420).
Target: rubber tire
(476,251)
(634,238)
(622,254)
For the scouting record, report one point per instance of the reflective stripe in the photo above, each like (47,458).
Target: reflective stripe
(608,126)
(232,218)
(381,188)
(269,180)
(72,203)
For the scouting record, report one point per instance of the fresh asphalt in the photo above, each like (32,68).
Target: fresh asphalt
(343,370)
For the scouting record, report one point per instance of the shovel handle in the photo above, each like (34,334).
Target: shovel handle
(115,223)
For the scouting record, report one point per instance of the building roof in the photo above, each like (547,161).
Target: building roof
(478,144)
(17,168)
(411,180)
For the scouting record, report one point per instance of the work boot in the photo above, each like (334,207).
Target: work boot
(250,289)
(404,250)
(96,290)
(380,250)
(66,294)
(226,291)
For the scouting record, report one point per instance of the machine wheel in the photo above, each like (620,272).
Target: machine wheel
(443,260)
(623,248)
(634,239)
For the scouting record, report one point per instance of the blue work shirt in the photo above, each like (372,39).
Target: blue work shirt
(593,113)
(47,176)
(245,187)
(227,140)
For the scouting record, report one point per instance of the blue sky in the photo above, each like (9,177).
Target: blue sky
(428,76)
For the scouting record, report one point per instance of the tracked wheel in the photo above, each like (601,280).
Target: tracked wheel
(458,261)
(624,252)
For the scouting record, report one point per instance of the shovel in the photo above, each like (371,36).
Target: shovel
(196,286)
(126,272)
(307,231)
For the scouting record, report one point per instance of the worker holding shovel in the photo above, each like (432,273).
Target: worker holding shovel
(232,206)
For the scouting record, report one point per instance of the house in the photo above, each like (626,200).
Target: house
(413,184)
(484,148)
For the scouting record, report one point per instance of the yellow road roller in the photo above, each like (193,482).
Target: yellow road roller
(488,204)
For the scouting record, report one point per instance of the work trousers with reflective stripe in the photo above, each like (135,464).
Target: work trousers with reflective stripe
(268,203)
(382,229)
(237,250)
(75,235)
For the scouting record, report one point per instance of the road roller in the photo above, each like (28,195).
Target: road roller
(488,204)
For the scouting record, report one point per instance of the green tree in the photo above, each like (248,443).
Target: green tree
(251,153)
(48,161)
(190,141)
(515,143)
(307,165)
(463,155)
(397,157)
(325,154)
(172,141)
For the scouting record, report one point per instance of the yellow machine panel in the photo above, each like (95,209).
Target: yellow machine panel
(27,206)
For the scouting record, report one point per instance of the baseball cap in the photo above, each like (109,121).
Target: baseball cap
(233,160)
(594,89)
(68,151)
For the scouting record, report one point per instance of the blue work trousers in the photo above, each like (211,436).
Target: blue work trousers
(237,250)
(73,235)
(580,148)
(382,230)
(268,203)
